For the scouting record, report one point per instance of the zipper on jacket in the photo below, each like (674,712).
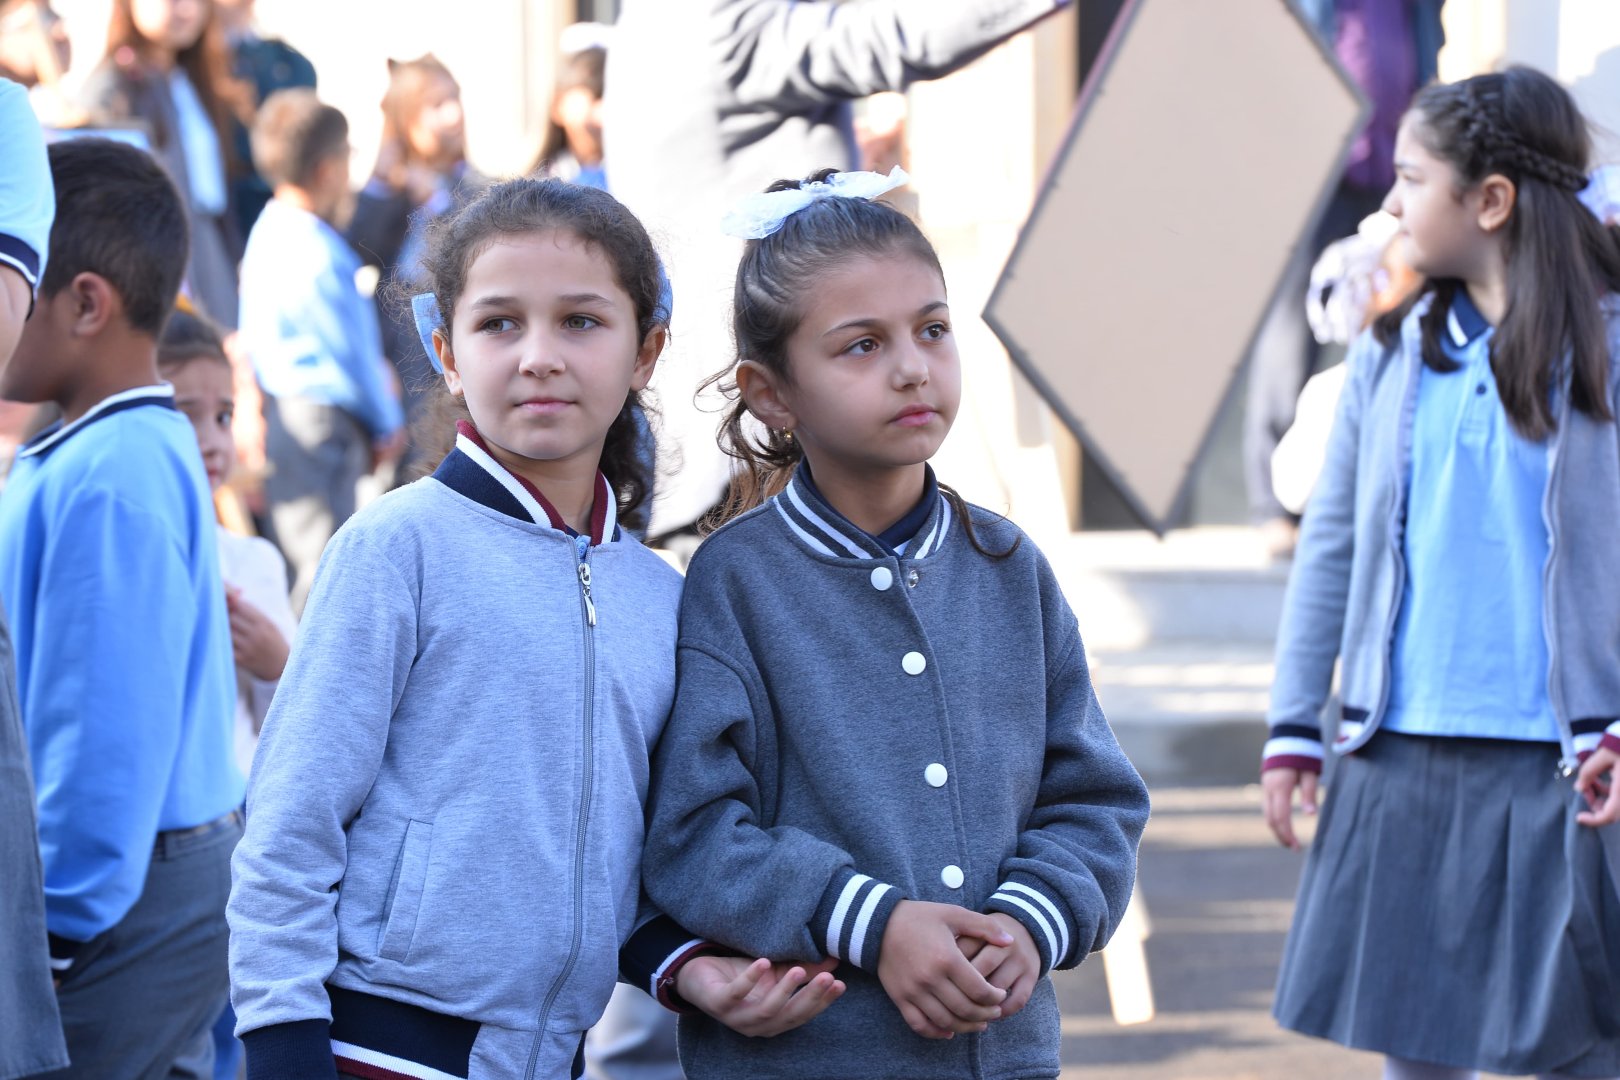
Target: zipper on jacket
(1568,761)
(1397,542)
(587,610)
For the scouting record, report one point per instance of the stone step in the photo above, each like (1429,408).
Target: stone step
(1131,589)
(1187,712)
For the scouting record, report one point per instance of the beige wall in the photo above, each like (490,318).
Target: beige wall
(979,141)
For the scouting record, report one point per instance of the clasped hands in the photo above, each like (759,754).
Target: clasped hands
(950,970)
(947,969)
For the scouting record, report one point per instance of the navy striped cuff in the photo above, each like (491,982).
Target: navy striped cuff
(653,957)
(21,257)
(1026,899)
(1293,746)
(302,1048)
(851,918)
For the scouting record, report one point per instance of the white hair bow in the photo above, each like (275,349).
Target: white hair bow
(760,215)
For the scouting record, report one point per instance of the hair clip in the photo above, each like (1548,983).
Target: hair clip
(425,309)
(758,216)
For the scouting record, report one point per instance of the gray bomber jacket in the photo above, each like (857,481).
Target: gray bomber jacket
(853,728)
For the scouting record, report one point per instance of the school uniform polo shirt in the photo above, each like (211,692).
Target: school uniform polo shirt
(109,571)
(27,198)
(1470,651)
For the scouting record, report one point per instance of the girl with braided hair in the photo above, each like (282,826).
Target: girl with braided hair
(1458,560)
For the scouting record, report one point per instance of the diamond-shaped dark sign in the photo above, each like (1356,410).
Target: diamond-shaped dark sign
(1204,146)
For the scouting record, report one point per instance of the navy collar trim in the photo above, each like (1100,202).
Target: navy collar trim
(812,519)
(1464,323)
(471,470)
(161,395)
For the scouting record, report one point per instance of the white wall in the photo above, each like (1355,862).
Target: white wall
(1578,41)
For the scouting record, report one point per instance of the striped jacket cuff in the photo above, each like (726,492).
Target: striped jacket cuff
(1293,746)
(653,957)
(1028,900)
(1611,738)
(1591,733)
(301,1048)
(851,918)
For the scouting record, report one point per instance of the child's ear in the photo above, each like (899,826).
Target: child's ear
(1497,198)
(763,396)
(447,362)
(652,346)
(95,304)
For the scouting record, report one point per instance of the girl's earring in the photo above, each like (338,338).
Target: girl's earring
(787,435)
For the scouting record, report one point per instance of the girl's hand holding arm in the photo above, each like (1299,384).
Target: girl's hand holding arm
(758,997)
(1277,796)
(1603,797)
(928,977)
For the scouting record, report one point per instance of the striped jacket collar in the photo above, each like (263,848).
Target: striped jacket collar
(471,470)
(161,395)
(827,532)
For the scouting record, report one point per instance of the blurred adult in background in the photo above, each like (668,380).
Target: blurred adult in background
(421,173)
(166,71)
(32,1028)
(263,66)
(572,148)
(1390,49)
(34,52)
(711,100)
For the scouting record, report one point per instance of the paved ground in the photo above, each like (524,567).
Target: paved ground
(1219,893)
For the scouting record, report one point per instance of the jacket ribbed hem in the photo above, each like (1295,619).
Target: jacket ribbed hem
(301,1048)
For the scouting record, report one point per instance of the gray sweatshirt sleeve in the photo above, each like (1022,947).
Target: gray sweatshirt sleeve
(320,752)
(710,863)
(1070,877)
(795,57)
(1308,636)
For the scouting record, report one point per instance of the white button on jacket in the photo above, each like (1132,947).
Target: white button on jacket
(882,578)
(952,877)
(936,775)
(913,663)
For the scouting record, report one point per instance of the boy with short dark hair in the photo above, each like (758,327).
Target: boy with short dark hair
(330,410)
(109,572)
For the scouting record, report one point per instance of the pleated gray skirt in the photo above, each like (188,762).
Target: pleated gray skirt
(1452,911)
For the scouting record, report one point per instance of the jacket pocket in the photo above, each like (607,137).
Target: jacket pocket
(405,891)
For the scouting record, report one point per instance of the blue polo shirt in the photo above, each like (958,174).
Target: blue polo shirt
(109,570)
(308,330)
(1470,651)
(27,198)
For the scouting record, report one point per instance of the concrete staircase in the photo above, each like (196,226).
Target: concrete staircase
(1179,633)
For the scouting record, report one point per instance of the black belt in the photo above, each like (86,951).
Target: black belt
(168,835)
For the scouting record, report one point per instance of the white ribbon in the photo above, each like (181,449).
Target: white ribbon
(760,215)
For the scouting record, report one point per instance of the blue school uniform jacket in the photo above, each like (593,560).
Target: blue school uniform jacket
(857,724)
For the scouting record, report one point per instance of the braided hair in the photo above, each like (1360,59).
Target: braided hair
(1524,126)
